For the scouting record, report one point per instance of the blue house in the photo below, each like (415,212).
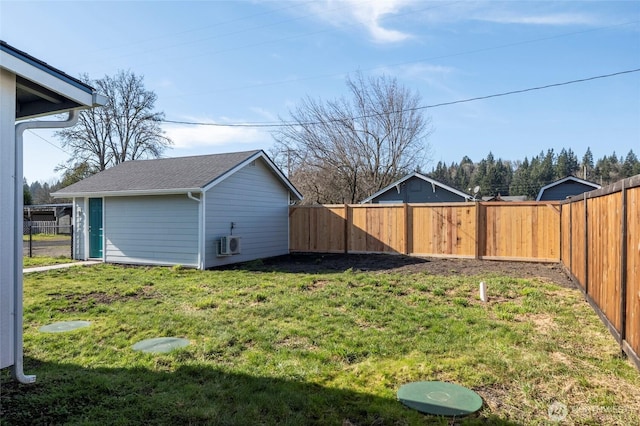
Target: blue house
(566,187)
(417,188)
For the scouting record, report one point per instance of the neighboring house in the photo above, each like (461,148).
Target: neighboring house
(417,188)
(200,211)
(29,88)
(566,187)
(511,198)
(58,213)
(47,218)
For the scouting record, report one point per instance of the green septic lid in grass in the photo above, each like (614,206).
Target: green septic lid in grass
(160,344)
(61,327)
(439,398)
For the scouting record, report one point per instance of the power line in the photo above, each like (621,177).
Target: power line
(460,101)
(49,142)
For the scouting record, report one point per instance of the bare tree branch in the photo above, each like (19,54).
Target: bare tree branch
(126,128)
(344,150)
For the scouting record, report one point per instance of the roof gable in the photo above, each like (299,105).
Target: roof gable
(168,175)
(571,179)
(433,182)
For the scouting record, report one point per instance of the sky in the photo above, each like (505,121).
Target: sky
(248,62)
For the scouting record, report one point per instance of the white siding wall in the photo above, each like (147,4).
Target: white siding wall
(79,221)
(7,222)
(257,202)
(161,230)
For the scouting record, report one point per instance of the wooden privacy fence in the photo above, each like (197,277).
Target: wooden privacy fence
(601,251)
(484,230)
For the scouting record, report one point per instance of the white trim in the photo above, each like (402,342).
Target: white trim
(202,210)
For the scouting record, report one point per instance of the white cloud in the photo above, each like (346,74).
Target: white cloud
(367,14)
(188,136)
(550,19)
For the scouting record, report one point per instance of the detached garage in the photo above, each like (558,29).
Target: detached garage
(200,211)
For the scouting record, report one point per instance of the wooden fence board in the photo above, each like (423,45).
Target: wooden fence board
(376,228)
(514,231)
(443,230)
(633,270)
(317,229)
(604,255)
(578,248)
(517,231)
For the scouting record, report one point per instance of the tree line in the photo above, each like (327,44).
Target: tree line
(493,177)
(525,177)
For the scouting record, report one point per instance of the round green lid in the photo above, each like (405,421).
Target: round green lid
(61,327)
(439,398)
(160,344)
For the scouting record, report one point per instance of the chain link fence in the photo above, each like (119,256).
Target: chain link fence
(47,239)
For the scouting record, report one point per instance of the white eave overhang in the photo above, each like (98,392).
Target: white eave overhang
(54,92)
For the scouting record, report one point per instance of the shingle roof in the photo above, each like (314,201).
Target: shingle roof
(161,175)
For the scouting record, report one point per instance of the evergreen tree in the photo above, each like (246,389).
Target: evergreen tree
(521,180)
(587,164)
(631,165)
(26,194)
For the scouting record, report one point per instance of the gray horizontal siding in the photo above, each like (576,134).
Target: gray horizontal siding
(257,202)
(151,230)
(564,190)
(416,190)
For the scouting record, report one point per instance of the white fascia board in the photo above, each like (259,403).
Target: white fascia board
(127,193)
(46,79)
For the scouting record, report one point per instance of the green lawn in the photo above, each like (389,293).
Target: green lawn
(296,349)
(46,237)
(30,262)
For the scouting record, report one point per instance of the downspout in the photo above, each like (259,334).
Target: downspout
(200,228)
(190,195)
(17,370)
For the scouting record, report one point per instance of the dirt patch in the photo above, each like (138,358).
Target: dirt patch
(321,263)
(84,302)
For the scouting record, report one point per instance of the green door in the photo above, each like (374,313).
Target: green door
(95,227)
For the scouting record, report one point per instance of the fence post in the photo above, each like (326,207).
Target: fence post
(478,230)
(30,242)
(623,269)
(571,236)
(346,228)
(586,245)
(406,228)
(72,242)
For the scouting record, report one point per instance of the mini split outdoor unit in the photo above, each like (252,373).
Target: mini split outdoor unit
(229,245)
